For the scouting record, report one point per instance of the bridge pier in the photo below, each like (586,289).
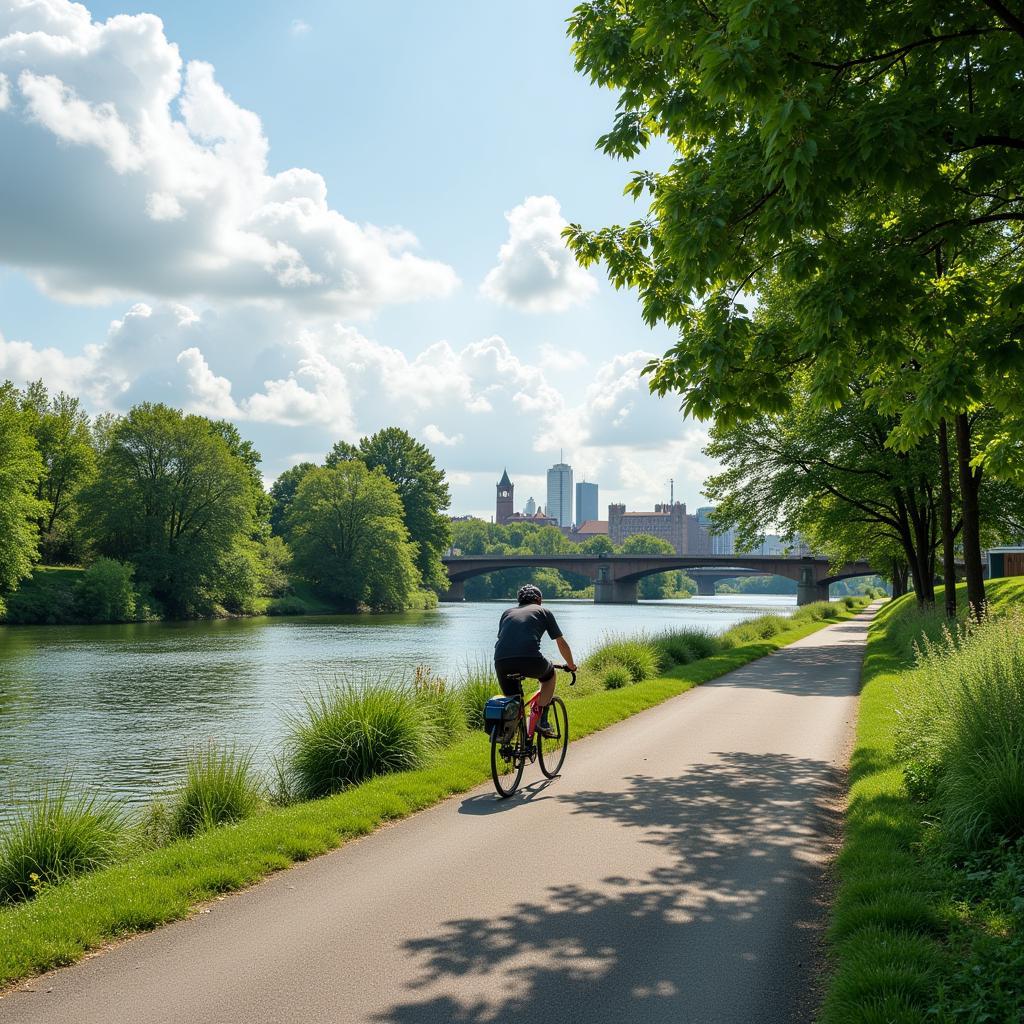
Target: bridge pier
(607,591)
(808,588)
(706,586)
(455,592)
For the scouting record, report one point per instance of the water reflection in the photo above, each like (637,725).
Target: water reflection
(120,706)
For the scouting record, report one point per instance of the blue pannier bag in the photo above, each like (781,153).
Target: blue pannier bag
(500,715)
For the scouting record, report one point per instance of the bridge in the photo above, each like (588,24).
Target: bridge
(615,576)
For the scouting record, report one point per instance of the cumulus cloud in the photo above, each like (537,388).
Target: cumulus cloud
(124,170)
(433,434)
(535,271)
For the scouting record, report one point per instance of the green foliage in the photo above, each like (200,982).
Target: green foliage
(441,703)
(176,496)
(275,561)
(61,431)
(421,486)
(282,493)
(57,836)
(20,471)
(760,627)
(962,734)
(478,685)
(682,646)
(106,592)
(640,657)
(614,677)
(220,789)
(348,537)
(355,731)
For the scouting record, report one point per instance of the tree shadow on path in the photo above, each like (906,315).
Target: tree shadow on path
(723,929)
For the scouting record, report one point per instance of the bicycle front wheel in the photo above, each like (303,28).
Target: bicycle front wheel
(551,750)
(508,761)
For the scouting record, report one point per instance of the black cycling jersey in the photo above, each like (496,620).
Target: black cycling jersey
(520,631)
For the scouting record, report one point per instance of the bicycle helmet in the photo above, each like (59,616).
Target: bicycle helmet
(529,594)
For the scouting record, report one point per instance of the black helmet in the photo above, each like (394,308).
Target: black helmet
(529,594)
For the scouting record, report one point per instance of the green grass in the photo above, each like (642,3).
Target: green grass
(639,656)
(899,921)
(351,732)
(162,885)
(55,837)
(220,788)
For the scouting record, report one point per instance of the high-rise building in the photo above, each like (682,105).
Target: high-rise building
(586,502)
(559,504)
(530,508)
(503,505)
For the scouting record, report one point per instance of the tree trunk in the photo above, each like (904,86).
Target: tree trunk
(899,578)
(970,481)
(946,508)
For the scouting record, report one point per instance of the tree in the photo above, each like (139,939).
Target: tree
(870,157)
(20,470)
(831,477)
(424,494)
(656,586)
(63,437)
(349,538)
(282,493)
(173,498)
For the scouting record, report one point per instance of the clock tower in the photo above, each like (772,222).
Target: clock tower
(503,505)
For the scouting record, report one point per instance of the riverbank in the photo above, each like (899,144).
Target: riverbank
(53,596)
(66,920)
(928,924)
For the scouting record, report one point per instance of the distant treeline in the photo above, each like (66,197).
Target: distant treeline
(167,512)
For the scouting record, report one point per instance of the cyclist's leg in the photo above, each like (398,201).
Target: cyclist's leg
(547,691)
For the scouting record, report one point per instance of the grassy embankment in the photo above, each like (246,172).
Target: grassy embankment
(63,918)
(928,923)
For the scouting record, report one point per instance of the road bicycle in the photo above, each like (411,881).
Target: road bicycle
(512,747)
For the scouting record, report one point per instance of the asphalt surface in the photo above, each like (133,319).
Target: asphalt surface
(675,872)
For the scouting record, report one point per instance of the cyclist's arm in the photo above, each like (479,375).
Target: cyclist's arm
(566,652)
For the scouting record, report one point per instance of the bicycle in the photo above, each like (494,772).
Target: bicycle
(511,749)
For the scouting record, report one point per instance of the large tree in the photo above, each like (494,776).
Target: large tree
(20,470)
(870,155)
(63,436)
(348,537)
(421,486)
(282,493)
(175,496)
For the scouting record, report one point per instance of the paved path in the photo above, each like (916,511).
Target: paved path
(675,873)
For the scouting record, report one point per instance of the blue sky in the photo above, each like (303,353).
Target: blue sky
(321,218)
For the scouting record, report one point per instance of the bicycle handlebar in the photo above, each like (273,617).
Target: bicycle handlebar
(565,668)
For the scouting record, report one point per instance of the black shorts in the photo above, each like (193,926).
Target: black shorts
(538,668)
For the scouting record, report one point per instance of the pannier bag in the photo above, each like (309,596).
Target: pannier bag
(500,715)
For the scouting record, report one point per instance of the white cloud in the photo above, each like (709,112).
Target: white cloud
(299,27)
(561,360)
(536,273)
(433,434)
(211,395)
(138,174)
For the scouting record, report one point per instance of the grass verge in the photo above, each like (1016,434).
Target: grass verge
(910,928)
(162,885)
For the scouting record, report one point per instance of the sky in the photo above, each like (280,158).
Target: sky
(317,219)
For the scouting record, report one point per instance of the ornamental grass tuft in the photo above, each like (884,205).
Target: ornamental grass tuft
(353,731)
(478,685)
(614,677)
(640,657)
(441,703)
(57,836)
(961,735)
(220,788)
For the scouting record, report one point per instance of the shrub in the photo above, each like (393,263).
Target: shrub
(106,592)
(961,734)
(477,687)
(349,733)
(47,598)
(615,677)
(220,787)
(289,605)
(640,657)
(763,627)
(441,703)
(56,837)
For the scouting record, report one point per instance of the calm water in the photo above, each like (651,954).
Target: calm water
(119,706)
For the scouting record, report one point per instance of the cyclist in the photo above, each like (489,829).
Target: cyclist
(517,652)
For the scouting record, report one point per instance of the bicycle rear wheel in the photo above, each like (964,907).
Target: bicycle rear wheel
(551,751)
(508,761)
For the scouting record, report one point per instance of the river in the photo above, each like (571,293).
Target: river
(117,708)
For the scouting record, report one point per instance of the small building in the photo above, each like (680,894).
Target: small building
(1007,561)
(537,519)
(668,522)
(591,528)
